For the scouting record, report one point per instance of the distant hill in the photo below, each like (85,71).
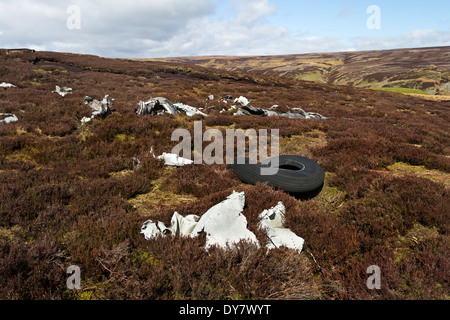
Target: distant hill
(415,71)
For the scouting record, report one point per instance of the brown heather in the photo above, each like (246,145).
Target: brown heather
(66,192)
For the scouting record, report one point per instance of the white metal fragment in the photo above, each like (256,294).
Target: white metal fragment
(9,117)
(183,225)
(242,100)
(62,91)
(7,85)
(225,226)
(172,159)
(190,111)
(153,230)
(272,221)
(224,223)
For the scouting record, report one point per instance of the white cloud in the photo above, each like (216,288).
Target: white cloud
(107,26)
(252,11)
(414,39)
(156,28)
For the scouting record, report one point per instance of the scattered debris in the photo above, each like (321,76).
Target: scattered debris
(99,108)
(242,100)
(225,226)
(7,85)
(272,221)
(226,98)
(161,105)
(158,105)
(298,113)
(172,159)
(249,110)
(8,117)
(254,111)
(62,91)
(190,111)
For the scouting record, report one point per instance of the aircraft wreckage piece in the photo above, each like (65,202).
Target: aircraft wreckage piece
(225,226)
(62,91)
(99,108)
(172,159)
(8,117)
(272,221)
(294,113)
(161,105)
(158,105)
(298,113)
(190,111)
(7,85)
(242,100)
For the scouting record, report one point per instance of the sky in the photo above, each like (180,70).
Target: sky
(176,28)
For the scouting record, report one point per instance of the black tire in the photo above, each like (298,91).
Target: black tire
(296,175)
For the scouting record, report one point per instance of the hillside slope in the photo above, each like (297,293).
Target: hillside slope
(424,70)
(71,193)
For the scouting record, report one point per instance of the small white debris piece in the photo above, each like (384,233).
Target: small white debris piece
(7,85)
(183,225)
(86,119)
(272,221)
(242,100)
(172,159)
(190,111)
(224,223)
(9,117)
(210,97)
(62,91)
(153,230)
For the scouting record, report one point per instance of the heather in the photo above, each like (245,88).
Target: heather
(70,194)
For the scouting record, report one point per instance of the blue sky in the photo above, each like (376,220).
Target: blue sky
(157,28)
